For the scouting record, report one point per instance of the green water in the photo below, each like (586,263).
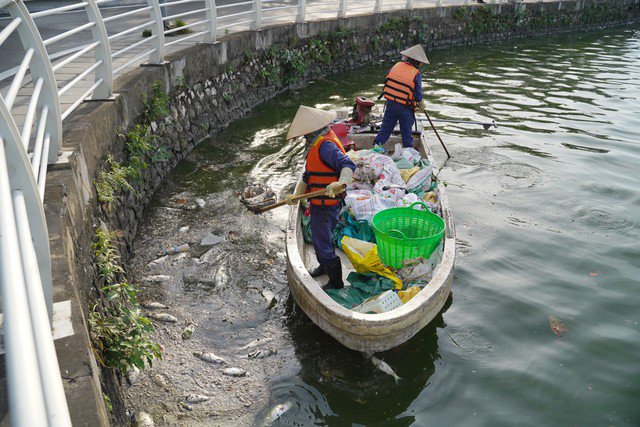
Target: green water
(547,214)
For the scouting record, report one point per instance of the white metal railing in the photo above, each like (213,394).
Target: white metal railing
(50,78)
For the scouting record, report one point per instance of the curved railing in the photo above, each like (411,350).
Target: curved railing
(45,74)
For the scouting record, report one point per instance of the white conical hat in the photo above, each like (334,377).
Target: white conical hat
(416,52)
(309,120)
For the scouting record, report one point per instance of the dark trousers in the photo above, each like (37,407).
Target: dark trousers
(323,221)
(393,114)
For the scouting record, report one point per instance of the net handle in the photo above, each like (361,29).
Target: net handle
(424,207)
(393,230)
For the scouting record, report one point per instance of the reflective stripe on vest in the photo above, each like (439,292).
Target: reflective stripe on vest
(400,83)
(317,173)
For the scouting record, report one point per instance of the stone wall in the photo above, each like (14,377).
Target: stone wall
(210,86)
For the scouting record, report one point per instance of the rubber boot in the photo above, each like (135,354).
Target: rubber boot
(334,271)
(318,271)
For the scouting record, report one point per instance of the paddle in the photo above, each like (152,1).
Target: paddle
(258,209)
(485,125)
(437,134)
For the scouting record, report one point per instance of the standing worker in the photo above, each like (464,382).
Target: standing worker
(403,92)
(327,166)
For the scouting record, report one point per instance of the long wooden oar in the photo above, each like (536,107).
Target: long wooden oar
(438,135)
(485,125)
(305,196)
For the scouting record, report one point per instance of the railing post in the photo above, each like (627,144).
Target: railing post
(409,4)
(157,56)
(302,10)
(212,21)
(257,15)
(103,52)
(342,10)
(438,4)
(378,7)
(41,68)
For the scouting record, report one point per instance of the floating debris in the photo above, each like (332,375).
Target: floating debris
(261,354)
(276,412)
(234,372)
(256,342)
(172,250)
(144,420)
(594,274)
(196,398)
(132,374)
(157,278)
(163,317)
(209,357)
(557,326)
(152,305)
(188,331)
(384,367)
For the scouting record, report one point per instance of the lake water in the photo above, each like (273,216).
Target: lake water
(543,324)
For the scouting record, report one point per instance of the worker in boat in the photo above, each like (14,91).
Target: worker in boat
(403,92)
(327,166)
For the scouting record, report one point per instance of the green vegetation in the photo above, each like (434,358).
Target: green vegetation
(120,334)
(112,182)
(179,23)
(156,106)
(146,33)
(181,83)
(138,143)
(319,50)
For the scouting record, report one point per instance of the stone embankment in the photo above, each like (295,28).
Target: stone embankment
(208,87)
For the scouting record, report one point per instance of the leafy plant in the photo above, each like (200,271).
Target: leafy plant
(146,33)
(178,24)
(319,51)
(156,106)
(181,83)
(112,181)
(294,65)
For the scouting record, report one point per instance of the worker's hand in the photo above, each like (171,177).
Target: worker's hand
(335,188)
(301,188)
(423,106)
(289,200)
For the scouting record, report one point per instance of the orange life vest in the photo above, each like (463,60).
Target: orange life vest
(400,83)
(317,173)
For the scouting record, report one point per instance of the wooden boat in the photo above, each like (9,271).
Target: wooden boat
(368,333)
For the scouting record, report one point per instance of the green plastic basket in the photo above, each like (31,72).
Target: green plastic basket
(405,233)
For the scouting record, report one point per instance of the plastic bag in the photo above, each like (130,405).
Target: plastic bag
(409,293)
(364,257)
(406,174)
(351,227)
(305,220)
(363,286)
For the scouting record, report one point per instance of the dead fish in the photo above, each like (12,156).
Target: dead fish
(557,326)
(132,374)
(200,202)
(255,343)
(179,257)
(163,317)
(144,420)
(196,398)
(261,354)
(152,305)
(384,367)
(234,372)
(188,331)
(158,261)
(156,278)
(160,381)
(276,412)
(184,229)
(209,357)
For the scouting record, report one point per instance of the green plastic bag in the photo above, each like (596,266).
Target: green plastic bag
(363,286)
(351,227)
(306,228)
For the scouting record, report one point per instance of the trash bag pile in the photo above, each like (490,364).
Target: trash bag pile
(382,182)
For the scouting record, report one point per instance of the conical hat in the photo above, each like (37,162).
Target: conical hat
(309,120)
(416,52)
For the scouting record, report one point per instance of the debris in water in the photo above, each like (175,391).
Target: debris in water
(188,331)
(594,274)
(144,420)
(384,367)
(234,372)
(557,326)
(163,317)
(233,235)
(156,278)
(196,398)
(132,374)
(209,357)
(152,305)
(200,202)
(276,412)
(158,261)
(261,354)
(211,239)
(183,229)
(174,250)
(256,342)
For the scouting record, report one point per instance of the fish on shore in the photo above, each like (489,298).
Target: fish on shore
(152,305)
(234,372)
(188,331)
(276,412)
(156,278)
(143,420)
(261,354)
(196,398)
(209,357)
(132,374)
(163,317)
(255,343)
(384,367)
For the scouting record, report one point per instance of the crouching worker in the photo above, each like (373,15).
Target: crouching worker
(327,166)
(403,92)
